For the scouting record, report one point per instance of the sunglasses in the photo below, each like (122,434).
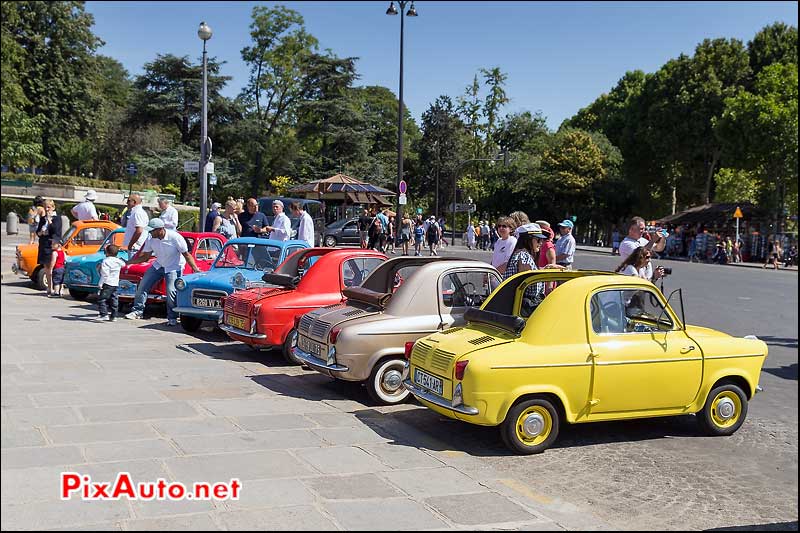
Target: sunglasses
(502,226)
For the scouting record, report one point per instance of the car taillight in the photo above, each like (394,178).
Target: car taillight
(460,367)
(409,349)
(334,335)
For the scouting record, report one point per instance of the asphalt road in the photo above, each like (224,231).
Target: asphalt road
(649,474)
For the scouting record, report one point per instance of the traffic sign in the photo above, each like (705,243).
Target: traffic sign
(132,168)
(212,179)
(191,166)
(402,199)
(738,213)
(403,187)
(209,168)
(464,208)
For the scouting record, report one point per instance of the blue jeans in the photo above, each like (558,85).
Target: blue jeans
(150,278)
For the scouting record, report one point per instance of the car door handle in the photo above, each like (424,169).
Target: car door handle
(687,349)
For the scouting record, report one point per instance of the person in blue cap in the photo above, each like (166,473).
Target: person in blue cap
(565,246)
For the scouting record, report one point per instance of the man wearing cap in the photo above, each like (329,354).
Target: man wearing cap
(565,246)
(168,213)
(135,228)
(171,252)
(212,215)
(281,228)
(86,209)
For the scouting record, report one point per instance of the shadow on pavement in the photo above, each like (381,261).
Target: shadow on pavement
(233,351)
(779,341)
(310,385)
(775,526)
(785,372)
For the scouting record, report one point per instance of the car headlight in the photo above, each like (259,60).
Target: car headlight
(180,284)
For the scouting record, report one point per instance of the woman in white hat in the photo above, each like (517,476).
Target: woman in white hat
(86,210)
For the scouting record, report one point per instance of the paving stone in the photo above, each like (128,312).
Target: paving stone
(248,441)
(358,487)
(194,522)
(128,450)
(341,460)
(27,485)
(110,396)
(433,482)
(263,406)
(202,426)
(14,438)
(75,512)
(474,509)
(207,393)
(260,493)
(401,457)
(139,470)
(244,466)
(33,388)
(138,411)
(334,420)
(40,456)
(117,431)
(383,515)
(154,508)
(348,436)
(16,401)
(298,518)
(264,422)
(41,416)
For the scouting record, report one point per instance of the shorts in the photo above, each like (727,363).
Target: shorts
(33,227)
(58,275)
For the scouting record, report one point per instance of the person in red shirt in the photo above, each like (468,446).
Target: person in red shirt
(59,260)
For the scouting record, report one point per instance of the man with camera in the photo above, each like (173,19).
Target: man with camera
(635,239)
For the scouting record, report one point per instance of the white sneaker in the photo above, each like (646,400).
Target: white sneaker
(172,322)
(133,315)
(99,318)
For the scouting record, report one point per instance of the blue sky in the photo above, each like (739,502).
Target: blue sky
(559,56)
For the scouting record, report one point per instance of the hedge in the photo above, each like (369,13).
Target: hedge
(79,181)
(189,218)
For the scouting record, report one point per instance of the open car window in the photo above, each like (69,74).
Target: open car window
(208,249)
(356,270)
(628,311)
(467,289)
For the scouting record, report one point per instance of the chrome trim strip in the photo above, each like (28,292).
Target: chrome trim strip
(733,356)
(539,366)
(210,293)
(241,332)
(415,332)
(437,401)
(205,314)
(312,361)
(648,361)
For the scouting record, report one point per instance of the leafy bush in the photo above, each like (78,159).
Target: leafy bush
(188,220)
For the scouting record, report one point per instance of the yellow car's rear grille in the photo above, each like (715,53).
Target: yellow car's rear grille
(481,340)
(419,356)
(451,330)
(440,360)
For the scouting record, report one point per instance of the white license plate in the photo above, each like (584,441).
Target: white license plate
(214,303)
(126,289)
(425,380)
(309,346)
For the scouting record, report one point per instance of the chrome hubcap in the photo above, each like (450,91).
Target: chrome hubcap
(725,408)
(391,380)
(533,425)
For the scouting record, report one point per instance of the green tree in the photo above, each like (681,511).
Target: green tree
(496,98)
(277,61)
(737,185)
(470,108)
(760,128)
(776,43)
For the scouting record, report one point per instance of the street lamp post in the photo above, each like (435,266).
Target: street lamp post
(204,32)
(412,12)
(503,156)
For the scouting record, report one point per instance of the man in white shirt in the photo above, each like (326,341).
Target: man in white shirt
(565,246)
(168,213)
(86,209)
(135,233)
(635,239)
(305,231)
(281,228)
(171,252)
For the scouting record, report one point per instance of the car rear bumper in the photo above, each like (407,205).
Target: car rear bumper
(240,332)
(426,396)
(318,364)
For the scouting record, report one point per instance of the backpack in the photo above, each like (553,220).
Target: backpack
(433,230)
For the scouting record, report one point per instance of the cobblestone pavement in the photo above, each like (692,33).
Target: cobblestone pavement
(137,396)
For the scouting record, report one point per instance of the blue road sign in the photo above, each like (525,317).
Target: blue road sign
(132,168)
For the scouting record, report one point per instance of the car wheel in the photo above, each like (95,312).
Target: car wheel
(78,295)
(288,344)
(385,383)
(40,280)
(724,411)
(330,241)
(190,324)
(530,426)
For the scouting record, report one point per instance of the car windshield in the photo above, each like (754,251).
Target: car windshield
(70,232)
(249,256)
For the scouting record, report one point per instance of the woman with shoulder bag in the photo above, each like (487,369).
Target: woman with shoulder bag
(227,223)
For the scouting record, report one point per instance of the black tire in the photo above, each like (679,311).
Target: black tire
(330,241)
(40,279)
(385,382)
(78,295)
(512,432)
(286,350)
(190,324)
(718,423)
